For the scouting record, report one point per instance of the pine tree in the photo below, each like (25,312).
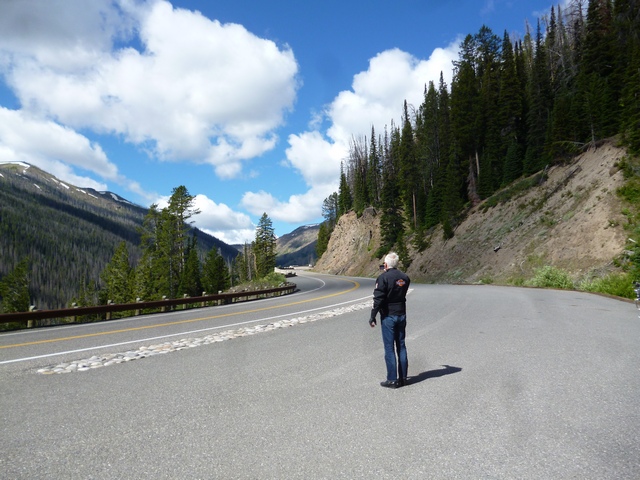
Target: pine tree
(510,113)
(540,106)
(358,163)
(600,86)
(373,172)
(116,277)
(465,116)
(410,178)
(627,23)
(428,147)
(190,282)
(14,289)
(164,243)
(264,247)
(215,274)
(345,199)
(323,239)
(391,219)
(330,215)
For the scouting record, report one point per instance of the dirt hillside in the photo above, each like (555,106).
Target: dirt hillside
(572,220)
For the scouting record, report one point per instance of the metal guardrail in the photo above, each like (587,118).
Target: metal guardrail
(163,305)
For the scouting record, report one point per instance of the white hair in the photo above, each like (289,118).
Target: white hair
(392,260)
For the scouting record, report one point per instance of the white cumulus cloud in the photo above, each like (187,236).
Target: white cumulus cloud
(53,148)
(222,222)
(375,99)
(190,87)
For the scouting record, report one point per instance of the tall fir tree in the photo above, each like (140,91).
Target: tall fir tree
(215,273)
(264,247)
(373,171)
(190,281)
(465,117)
(14,288)
(391,219)
(410,174)
(345,199)
(540,106)
(510,113)
(116,277)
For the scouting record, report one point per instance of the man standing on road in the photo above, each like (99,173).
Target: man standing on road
(389,298)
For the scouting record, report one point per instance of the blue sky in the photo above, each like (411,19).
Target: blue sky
(250,105)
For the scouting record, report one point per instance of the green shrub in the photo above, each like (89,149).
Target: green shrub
(272,280)
(619,284)
(551,277)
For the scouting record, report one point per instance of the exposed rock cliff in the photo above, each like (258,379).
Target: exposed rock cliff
(572,220)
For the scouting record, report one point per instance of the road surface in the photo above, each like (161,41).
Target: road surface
(506,383)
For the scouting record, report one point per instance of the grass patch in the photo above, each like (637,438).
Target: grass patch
(619,284)
(630,195)
(273,280)
(551,277)
(518,188)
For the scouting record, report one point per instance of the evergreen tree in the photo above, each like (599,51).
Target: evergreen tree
(600,86)
(330,214)
(190,282)
(391,219)
(144,279)
(14,289)
(116,278)
(358,163)
(627,26)
(631,102)
(215,274)
(465,116)
(540,106)
(428,148)
(323,239)
(510,113)
(443,157)
(373,172)
(345,199)
(264,247)
(409,180)
(164,243)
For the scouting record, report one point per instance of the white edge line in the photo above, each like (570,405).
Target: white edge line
(15,360)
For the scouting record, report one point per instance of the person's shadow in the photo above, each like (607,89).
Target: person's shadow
(441,372)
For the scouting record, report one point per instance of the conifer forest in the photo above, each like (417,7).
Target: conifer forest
(515,107)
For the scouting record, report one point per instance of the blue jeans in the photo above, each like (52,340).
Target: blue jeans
(393,333)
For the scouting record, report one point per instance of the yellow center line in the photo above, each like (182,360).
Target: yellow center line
(179,322)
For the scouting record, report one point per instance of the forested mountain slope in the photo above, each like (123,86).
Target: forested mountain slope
(68,233)
(572,219)
(297,247)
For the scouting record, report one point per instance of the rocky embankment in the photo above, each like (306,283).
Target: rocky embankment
(573,220)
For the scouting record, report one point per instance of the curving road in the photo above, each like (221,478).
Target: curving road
(507,383)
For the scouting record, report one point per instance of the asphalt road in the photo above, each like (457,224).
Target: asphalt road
(507,383)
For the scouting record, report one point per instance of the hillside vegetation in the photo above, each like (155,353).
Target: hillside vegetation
(571,219)
(483,180)
(69,234)
(297,247)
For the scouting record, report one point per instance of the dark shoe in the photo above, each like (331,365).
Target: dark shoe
(405,381)
(389,384)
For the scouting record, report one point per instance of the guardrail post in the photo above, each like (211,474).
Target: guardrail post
(184,305)
(164,307)
(108,314)
(73,317)
(31,323)
(138,300)
(204,304)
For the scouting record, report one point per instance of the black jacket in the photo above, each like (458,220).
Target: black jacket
(389,296)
